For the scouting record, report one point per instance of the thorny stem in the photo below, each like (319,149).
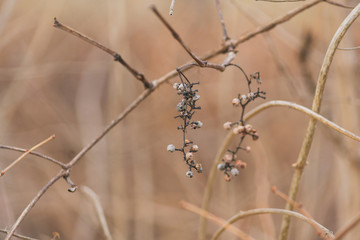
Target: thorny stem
(227,141)
(117,57)
(33,202)
(244,214)
(305,149)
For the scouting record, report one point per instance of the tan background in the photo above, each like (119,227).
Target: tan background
(54,83)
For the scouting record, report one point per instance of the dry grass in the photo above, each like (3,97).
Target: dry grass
(53,83)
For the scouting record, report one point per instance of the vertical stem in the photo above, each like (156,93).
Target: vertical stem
(305,149)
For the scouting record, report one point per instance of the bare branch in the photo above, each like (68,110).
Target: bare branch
(26,153)
(117,57)
(347,228)
(258,211)
(215,219)
(35,154)
(349,49)
(303,211)
(305,149)
(338,4)
(18,235)
(99,210)
(33,202)
(177,37)
(222,22)
(171,12)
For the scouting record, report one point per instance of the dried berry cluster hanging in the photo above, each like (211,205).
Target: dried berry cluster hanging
(230,163)
(186,108)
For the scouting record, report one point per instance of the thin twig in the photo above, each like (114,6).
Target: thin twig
(258,211)
(338,4)
(35,154)
(117,57)
(26,153)
(305,149)
(277,1)
(18,235)
(302,210)
(221,222)
(228,139)
(347,228)
(33,202)
(99,210)
(177,36)
(222,22)
(171,12)
(349,49)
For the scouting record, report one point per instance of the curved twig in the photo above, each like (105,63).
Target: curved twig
(35,154)
(305,149)
(227,141)
(18,235)
(258,211)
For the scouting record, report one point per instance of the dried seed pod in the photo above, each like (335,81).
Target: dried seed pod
(194,148)
(189,174)
(227,125)
(221,166)
(189,156)
(228,158)
(171,148)
(236,102)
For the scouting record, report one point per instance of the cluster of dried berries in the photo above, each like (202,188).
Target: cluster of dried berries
(230,164)
(186,108)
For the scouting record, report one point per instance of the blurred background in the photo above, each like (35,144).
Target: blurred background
(54,83)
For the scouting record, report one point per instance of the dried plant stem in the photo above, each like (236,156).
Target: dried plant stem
(99,210)
(345,229)
(222,22)
(338,4)
(177,37)
(171,12)
(230,136)
(155,84)
(35,154)
(349,49)
(26,153)
(215,219)
(258,211)
(302,210)
(305,149)
(113,123)
(18,235)
(277,21)
(33,202)
(117,57)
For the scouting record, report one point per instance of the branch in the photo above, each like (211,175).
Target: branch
(345,229)
(258,211)
(349,49)
(222,22)
(305,149)
(117,57)
(99,210)
(35,154)
(303,211)
(18,235)
(221,222)
(26,153)
(33,202)
(177,37)
(227,141)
